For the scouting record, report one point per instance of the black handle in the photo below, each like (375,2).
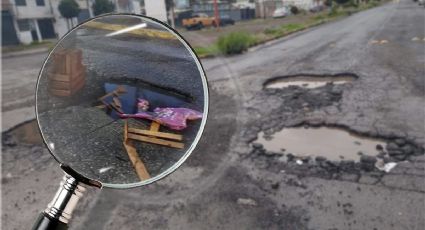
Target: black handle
(45,222)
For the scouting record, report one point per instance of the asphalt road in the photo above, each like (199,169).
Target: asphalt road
(226,185)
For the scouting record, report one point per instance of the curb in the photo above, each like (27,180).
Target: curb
(25,52)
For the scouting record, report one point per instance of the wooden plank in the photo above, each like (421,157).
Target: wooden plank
(157,141)
(155,126)
(138,164)
(67,92)
(100,106)
(116,102)
(171,136)
(67,84)
(125,130)
(67,77)
(119,90)
(60,92)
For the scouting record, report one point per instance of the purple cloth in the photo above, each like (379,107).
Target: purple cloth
(173,118)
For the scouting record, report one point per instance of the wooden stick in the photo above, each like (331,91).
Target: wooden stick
(157,141)
(138,164)
(171,136)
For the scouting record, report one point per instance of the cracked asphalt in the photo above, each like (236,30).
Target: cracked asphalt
(226,184)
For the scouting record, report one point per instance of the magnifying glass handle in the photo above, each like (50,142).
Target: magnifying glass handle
(59,210)
(45,222)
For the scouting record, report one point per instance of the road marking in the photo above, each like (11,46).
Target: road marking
(383,42)
(415,39)
(139,32)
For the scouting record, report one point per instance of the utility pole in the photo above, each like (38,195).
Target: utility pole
(216,15)
(170,4)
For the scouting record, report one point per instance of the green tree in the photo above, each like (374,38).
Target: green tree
(102,7)
(69,9)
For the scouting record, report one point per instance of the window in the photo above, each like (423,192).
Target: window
(39,2)
(20,2)
(23,25)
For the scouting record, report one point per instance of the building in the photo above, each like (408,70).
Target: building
(265,8)
(27,21)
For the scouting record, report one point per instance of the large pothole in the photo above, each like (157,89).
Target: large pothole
(308,81)
(333,143)
(307,144)
(26,133)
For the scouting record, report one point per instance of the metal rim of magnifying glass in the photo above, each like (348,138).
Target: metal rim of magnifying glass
(201,127)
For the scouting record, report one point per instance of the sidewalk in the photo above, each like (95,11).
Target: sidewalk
(25,52)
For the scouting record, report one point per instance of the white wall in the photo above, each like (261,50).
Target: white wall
(303,4)
(156,9)
(31,10)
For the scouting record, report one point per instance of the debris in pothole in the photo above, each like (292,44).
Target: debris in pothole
(105,169)
(386,167)
(309,81)
(247,201)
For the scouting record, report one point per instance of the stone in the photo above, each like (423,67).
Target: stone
(246,201)
(395,152)
(368,162)
(347,164)
(379,147)
(336,92)
(275,185)
(400,142)
(399,157)
(290,156)
(257,145)
(407,149)
(320,159)
(368,159)
(392,146)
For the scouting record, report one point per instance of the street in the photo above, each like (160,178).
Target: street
(232,182)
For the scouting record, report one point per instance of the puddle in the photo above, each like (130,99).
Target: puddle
(333,143)
(26,133)
(308,81)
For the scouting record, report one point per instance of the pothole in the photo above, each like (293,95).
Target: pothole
(334,144)
(25,133)
(308,81)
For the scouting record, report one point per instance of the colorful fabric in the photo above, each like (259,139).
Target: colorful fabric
(173,118)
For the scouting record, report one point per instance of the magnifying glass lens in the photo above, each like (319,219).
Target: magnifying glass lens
(122,100)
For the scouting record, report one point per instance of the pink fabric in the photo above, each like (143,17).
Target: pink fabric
(173,118)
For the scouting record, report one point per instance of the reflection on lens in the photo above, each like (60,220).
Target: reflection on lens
(122,100)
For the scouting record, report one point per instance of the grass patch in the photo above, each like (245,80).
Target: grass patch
(284,29)
(207,51)
(235,42)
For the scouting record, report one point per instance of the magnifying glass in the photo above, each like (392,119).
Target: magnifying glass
(121,102)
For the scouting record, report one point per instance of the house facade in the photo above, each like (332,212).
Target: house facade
(27,21)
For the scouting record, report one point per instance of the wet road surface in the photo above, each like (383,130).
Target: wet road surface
(225,185)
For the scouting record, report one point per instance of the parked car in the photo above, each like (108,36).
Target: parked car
(226,20)
(281,12)
(198,21)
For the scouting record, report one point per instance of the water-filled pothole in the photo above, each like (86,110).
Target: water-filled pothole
(26,133)
(308,81)
(333,143)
